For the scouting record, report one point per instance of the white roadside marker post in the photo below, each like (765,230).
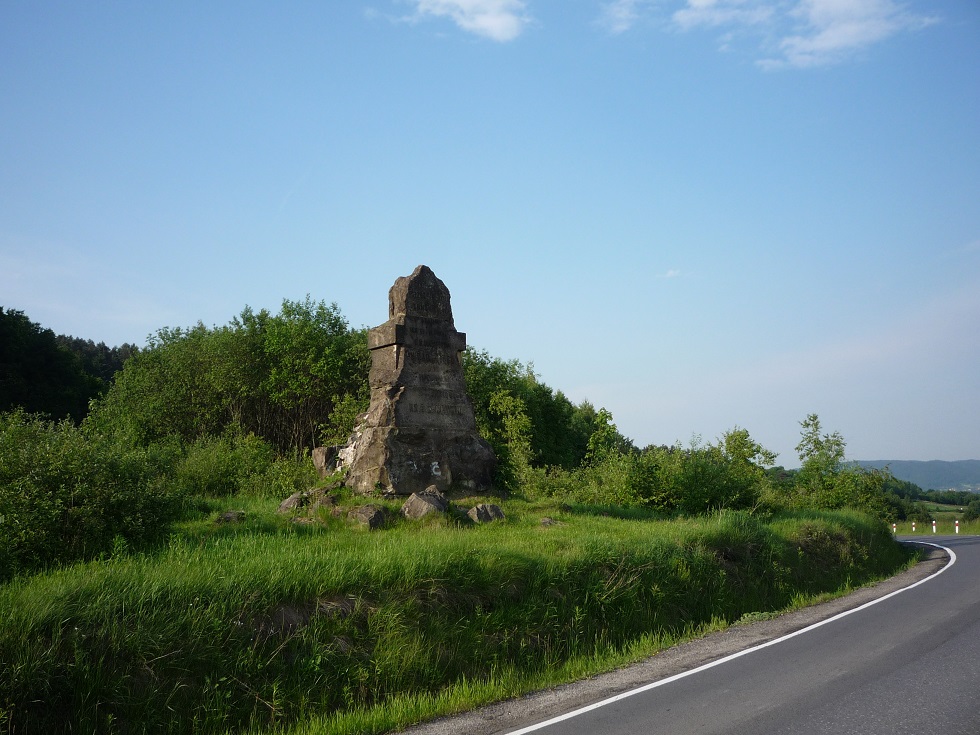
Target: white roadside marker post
(957,526)
(933,526)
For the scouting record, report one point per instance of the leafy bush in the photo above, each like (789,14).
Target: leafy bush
(67,496)
(692,481)
(972,511)
(233,464)
(281,377)
(510,401)
(216,466)
(282,478)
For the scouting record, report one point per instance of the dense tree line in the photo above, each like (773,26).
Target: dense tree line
(961,475)
(198,412)
(895,499)
(50,374)
(827,480)
(911,491)
(734,472)
(214,411)
(98,360)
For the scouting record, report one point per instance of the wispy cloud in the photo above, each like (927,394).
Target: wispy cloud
(498,20)
(830,30)
(672,273)
(620,15)
(715,13)
(790,33)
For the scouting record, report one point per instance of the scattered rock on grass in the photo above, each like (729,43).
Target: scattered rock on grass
(368,515)
(423,503)
(486,513)
(308,500)
(294,502)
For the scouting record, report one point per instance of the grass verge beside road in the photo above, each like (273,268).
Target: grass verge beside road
(269,626)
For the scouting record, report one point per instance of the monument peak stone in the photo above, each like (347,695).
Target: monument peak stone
(420,429)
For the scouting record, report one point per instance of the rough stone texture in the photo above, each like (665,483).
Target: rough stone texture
(368,515)
(420,429)
(424,503)
(324,500)
(308,500)
(303,506)
(231,516)
(324,460)
(294,502)
(485,513)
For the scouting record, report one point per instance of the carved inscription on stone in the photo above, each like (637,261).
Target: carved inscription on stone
(420,428)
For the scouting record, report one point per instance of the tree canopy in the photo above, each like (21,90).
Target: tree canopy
(290,378)
(40,373)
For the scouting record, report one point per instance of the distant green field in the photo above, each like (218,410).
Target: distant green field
(945,517)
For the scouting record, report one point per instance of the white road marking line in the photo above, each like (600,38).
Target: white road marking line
(730,657)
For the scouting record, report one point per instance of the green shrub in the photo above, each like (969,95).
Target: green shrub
(233,464)
(277,376)
(67,496)
(281,478)
(216,466)
(972,511)
(692,481)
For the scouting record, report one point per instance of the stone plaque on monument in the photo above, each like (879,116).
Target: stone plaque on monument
(420,428)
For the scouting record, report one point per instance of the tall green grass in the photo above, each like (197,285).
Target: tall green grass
(330,629)
(944,525)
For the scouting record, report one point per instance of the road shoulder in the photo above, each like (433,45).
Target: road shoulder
(516,713)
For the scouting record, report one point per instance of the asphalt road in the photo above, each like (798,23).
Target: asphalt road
(878,661)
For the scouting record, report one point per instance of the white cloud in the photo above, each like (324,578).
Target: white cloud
(498,20)
(619,16)
(803,33)
(672,273)
(831,29)
(714,13)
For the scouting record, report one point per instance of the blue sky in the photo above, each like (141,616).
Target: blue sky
(700,214)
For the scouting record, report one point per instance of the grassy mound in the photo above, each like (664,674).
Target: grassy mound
(324,628)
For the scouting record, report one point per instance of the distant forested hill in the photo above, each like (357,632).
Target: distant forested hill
(933,474)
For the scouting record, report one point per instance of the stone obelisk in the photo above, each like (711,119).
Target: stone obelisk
(420,428)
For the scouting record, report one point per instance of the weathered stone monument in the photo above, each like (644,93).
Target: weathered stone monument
(420,428)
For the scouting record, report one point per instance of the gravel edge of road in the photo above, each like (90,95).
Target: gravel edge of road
(513,714)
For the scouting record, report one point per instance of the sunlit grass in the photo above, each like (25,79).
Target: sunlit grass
(329,628)
(944,526)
